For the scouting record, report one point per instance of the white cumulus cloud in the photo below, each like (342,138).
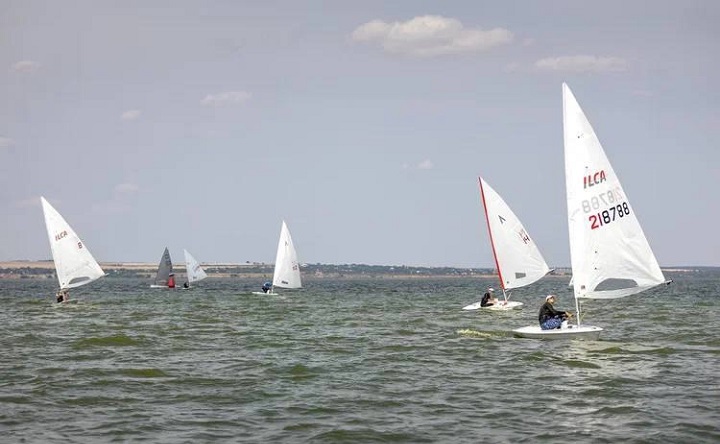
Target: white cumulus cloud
(26,66)
(131,114)
(228,97)
(429,36)
(582,64)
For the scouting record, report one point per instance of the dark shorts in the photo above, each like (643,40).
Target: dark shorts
(552,323)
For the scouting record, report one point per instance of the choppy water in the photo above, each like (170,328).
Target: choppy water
(352,362)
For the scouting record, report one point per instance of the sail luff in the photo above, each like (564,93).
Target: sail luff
(490,234)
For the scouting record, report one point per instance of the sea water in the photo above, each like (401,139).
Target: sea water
(352,361)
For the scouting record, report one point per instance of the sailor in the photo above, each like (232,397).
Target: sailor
(488,299)
(63,295)
(266,287)
(550,318)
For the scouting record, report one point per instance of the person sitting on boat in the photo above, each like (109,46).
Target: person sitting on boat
(62,295)
(488,299)
(186,284)
(266,287)
(550,318)
(171,280)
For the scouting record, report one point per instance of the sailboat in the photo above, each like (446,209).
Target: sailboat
(165,278)
(610,255)
(517,258)
(287,269)
(74,264)
(195,273)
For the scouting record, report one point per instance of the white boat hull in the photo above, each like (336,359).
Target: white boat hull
(260,293)
(159,286)
(570,332)
(501,305)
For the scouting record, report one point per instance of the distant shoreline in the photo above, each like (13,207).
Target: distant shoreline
(46,270)
(26,269)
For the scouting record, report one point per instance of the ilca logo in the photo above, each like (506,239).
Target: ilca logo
(591,180)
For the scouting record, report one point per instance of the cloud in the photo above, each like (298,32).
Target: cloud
(430,36)
(228,97)
(512,67)
(582,64)
(424,165)
(6,142)
(126,188)
(111,208)
(26,66)
(32,202)
(131,114)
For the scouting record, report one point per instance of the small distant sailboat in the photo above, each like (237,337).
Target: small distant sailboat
(74,264)
(517,258)
(195,273)
(287,269)
(165,278)
(610,256)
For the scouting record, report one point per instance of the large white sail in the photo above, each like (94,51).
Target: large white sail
(74,264)
(610,256)
(287,269)
(518,260)
(195,272)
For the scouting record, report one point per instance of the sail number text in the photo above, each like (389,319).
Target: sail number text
(606,216)
(602,200)
(614,208)
(60,235)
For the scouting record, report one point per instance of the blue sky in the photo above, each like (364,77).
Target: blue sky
(203,124)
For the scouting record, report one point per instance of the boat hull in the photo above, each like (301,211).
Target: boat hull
(260,293)
(500,306)
(590,332)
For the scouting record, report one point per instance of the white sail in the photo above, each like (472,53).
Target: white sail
(610,256)
(74,264)
(287,269)
(518,260)
(195,272)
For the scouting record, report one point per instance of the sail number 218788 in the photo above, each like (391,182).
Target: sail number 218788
(614,208)
(606,216)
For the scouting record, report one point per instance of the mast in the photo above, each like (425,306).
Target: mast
(577,308)
(492,242)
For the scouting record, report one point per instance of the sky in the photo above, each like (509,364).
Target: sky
(364,125)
